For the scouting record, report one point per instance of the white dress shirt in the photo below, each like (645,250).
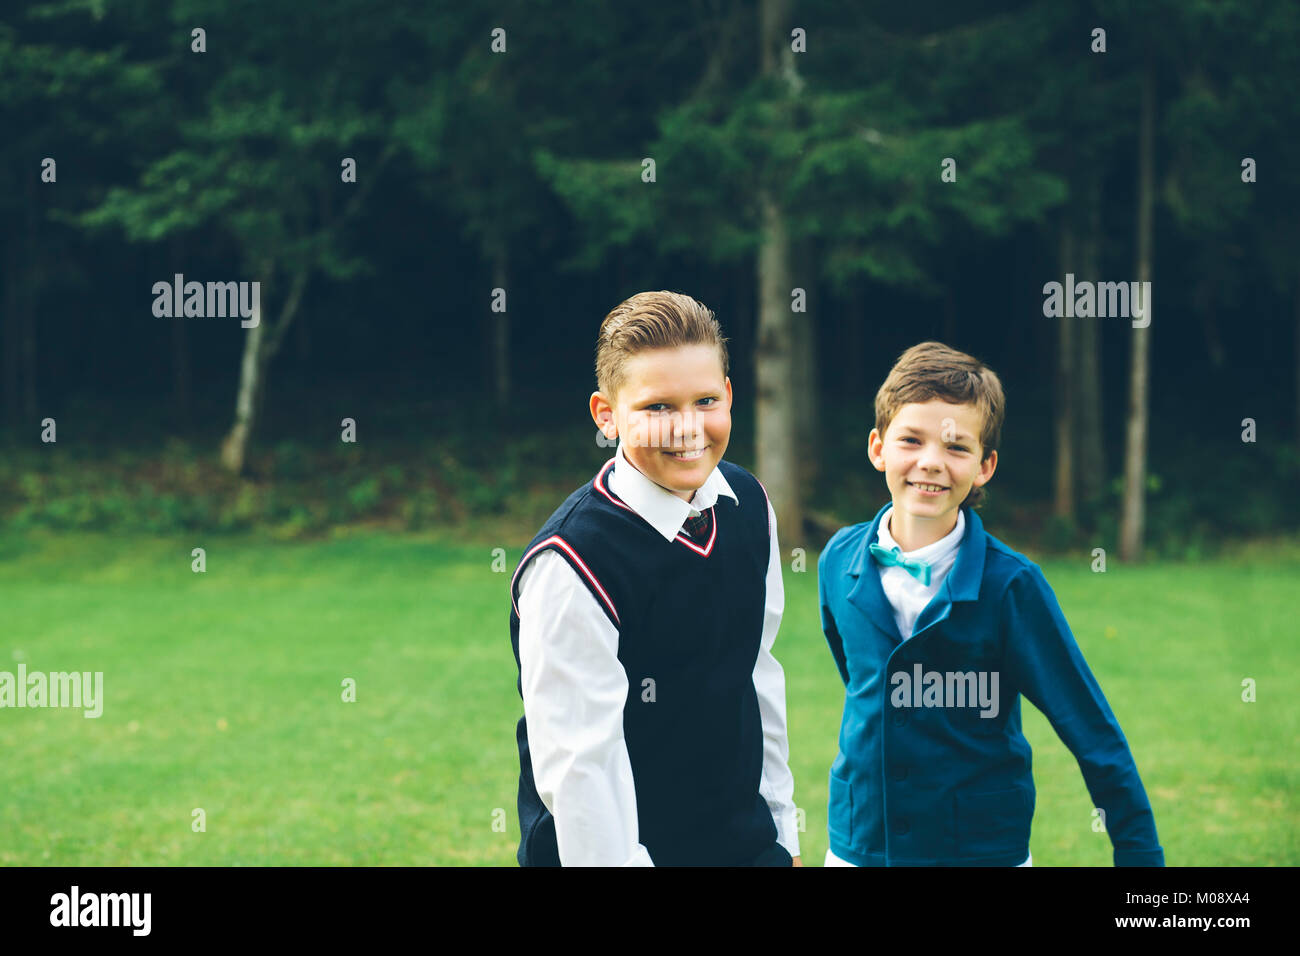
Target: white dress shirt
(908,596)
(574,690)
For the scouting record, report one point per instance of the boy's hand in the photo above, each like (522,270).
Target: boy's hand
(796,861)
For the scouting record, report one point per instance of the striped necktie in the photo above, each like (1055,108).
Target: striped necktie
(699,526)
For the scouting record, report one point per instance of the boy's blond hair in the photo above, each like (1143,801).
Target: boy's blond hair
(933,370)
(652,320)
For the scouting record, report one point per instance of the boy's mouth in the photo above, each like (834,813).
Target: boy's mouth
(689,455)
(928,488)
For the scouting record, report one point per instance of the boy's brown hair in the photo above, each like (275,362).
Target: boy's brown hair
(933,370)
(652,320)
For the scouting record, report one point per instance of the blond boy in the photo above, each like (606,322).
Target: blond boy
(643,617)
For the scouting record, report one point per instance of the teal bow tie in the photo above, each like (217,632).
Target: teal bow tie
(894,556)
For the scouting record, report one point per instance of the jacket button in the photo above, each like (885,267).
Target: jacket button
(901,827)
(900,718)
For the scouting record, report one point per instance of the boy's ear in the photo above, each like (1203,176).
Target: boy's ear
(876,449)
(602,413)
(987,467)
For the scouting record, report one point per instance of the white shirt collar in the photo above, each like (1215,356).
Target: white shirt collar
(662,509)
(932,552)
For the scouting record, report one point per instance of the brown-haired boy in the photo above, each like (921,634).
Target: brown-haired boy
(642,620)
(937,629)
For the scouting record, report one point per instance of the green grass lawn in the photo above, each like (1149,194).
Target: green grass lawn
(223,691)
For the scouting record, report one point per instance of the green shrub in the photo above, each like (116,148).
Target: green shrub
(290,461)
(365,495)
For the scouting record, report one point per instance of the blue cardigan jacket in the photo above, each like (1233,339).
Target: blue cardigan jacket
(920,779)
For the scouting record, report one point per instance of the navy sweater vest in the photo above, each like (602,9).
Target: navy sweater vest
(689,618)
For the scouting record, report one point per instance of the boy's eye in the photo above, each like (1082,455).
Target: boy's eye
(660,405)
(917,441)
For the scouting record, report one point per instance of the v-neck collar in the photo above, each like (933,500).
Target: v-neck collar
(603,486)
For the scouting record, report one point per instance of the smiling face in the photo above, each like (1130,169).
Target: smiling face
(931,456)
(672,413)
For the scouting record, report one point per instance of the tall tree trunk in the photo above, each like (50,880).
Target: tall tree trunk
(776,447)
(1063,498)
(261,343)
(235,447)
(1090,456)
(1133,519)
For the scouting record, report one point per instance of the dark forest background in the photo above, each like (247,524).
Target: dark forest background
(795,146)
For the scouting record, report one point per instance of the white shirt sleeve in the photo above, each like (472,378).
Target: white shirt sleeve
(574,691)
(777,784)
